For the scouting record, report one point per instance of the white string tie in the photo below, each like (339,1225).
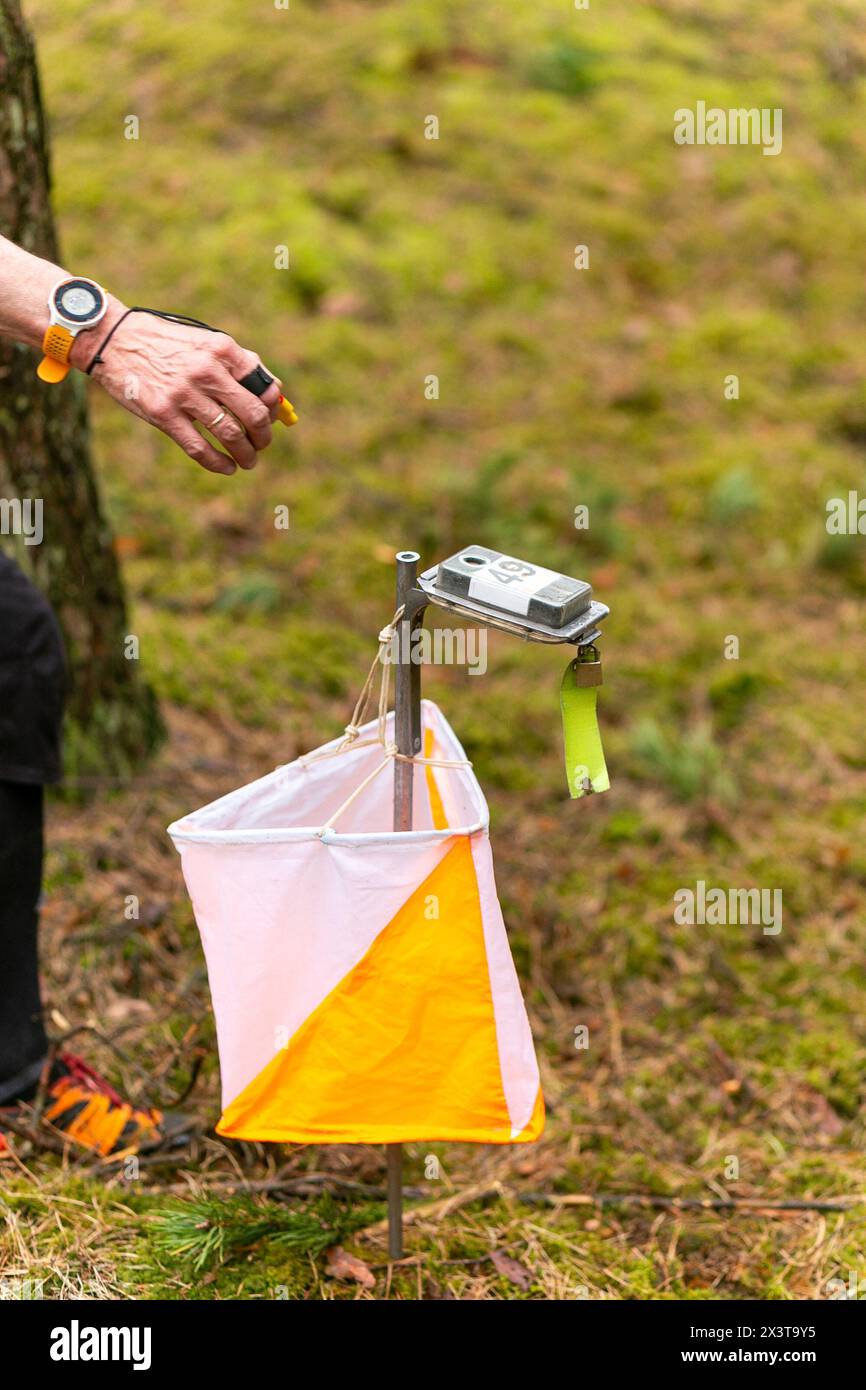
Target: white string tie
(390,750)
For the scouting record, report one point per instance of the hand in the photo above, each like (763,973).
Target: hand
(172,375)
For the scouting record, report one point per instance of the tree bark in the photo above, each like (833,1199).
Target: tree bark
(113,722)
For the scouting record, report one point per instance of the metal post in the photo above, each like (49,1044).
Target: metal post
(407,695)
(407,712)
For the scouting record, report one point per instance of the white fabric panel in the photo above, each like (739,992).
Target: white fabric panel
(520,1078)
(295,801)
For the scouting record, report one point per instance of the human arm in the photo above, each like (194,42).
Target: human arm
(172,375)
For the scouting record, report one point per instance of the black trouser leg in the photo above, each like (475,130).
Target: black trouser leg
(23,1043)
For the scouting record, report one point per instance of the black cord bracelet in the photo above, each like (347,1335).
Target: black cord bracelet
(98,359)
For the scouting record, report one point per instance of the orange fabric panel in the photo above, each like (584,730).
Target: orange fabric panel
(437,810)
(404,1047)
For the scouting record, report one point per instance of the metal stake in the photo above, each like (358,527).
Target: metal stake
(413,596)
(407,722)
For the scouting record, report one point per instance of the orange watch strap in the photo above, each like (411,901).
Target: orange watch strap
(57,345)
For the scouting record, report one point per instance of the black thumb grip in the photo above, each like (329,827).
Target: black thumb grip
(258,381)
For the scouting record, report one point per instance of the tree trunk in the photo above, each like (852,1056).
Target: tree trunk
(113,722)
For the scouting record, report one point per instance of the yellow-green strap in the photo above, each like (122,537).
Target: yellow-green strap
(585,767)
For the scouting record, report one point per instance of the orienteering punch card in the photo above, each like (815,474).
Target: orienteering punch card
(512,586)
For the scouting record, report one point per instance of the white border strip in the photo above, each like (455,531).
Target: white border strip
(187,831)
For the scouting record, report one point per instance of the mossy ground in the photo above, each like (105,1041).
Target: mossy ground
(557,387)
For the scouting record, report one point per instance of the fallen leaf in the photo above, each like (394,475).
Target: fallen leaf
(512,1270)
(126,1010)
(342,1265)
(816,1112)
(836,856)
(126,546)
(437,1293)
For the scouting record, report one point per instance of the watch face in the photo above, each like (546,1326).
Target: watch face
(79,301)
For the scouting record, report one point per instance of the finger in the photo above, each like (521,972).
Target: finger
(271,398)
(225,429)
(257,413)
(199,449)
(253,412)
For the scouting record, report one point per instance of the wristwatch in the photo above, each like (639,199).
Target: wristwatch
(73,305)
